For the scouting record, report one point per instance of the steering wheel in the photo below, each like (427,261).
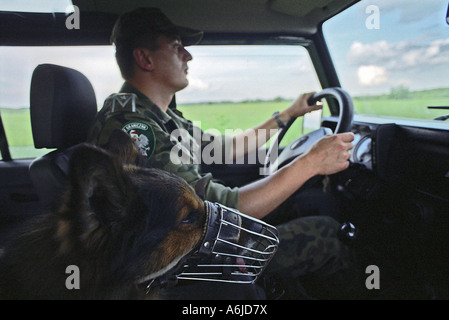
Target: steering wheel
(273,161)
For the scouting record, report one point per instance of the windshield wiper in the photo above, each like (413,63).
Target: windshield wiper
(442,118)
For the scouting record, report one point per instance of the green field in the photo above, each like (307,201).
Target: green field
(400,102)
(243,115)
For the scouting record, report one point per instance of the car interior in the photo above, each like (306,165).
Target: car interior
(395,192)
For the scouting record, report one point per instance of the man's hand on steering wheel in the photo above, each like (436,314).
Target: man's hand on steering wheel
(300,106)
(330,154)
(310,144)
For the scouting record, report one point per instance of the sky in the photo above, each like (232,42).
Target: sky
(35,6)
(374,46)
(409,47)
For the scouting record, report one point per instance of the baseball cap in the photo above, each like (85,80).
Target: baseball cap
(141,21)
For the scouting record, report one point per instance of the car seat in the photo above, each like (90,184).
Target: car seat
(62,108)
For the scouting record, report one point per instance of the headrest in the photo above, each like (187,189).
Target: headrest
(62,106)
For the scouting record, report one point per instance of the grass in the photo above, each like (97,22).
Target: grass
(404,108)
(17,125)
(243,115)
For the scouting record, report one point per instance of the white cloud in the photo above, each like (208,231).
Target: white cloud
(17,65)
(384,64)
(236,73)
(401,56)
(372,75)
(196,83)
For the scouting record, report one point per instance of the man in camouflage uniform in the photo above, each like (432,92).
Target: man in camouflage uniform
(153,61)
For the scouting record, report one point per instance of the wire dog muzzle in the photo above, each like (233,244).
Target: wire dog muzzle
(235,248)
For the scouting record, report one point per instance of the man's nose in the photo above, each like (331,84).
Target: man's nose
(187,55)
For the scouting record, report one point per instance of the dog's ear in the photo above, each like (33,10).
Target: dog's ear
(124,148)
(98,185)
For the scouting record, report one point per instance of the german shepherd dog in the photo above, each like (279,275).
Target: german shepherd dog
(118,222)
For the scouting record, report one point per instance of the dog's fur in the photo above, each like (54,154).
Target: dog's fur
(118,222)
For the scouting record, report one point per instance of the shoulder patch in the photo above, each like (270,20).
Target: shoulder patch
(143,136)
(122,102)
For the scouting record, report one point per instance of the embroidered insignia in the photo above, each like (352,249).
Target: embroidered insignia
(127,102)
(143,136)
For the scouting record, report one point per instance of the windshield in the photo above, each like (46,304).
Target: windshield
(393,56)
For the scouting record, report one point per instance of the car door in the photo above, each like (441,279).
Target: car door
(18,198)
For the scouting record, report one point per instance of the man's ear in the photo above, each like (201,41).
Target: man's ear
(143,59)
(99,190)
(123,148)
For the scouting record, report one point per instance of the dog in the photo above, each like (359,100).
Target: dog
(118,222)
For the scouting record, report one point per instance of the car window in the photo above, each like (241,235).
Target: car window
(238,87)
(230,87)
(393,56)
(36,6)
(16,68)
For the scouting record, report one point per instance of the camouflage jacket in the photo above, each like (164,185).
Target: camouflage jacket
(167,139)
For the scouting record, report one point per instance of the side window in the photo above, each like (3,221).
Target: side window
(230,87)
(239,87)
(16,68)
(17,129)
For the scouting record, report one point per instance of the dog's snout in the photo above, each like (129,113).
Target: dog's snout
(234,248)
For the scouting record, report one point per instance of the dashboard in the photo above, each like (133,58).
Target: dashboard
(363,146)
(407,154)
(363,151)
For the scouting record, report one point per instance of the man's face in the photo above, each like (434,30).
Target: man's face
(170,63)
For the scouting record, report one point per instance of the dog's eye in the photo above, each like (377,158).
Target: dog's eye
(191,217)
